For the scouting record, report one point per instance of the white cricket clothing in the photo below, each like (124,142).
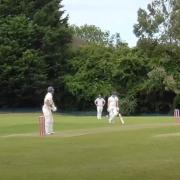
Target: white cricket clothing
(48,98)
(99,104)
(99,112)
(112,101)
(48,113)
(113,107)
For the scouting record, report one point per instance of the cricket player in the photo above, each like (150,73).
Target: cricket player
(113,107)
(99,102)
(47,109)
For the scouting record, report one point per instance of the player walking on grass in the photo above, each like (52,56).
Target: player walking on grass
(113,107)
(99,102)
(47,109)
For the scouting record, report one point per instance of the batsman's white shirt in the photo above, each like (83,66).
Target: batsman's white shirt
(49,98)
(112,107)
(48,113)
(112,101)
(100,102)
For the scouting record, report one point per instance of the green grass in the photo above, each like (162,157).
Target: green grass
(83,148)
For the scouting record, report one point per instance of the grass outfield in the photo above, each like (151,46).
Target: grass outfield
(83,148)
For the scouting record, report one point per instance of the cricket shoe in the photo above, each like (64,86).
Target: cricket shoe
(48,133)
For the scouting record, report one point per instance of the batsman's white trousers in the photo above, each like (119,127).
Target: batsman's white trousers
(48,120)
(99,112)
(112,113)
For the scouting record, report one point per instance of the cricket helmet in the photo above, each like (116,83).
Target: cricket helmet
(50,89)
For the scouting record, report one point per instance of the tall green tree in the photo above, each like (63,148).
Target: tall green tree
(157,30)
(90,74)
(160,21)
(34,45)
(99,69)
(91,34)
(155,24)
(175,21)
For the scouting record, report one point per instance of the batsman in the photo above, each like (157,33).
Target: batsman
(47,109)
(113,108)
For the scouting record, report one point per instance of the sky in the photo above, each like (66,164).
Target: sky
(110,15)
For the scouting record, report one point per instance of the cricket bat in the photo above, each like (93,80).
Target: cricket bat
(121,119)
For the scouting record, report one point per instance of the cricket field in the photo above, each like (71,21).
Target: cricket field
(84,148)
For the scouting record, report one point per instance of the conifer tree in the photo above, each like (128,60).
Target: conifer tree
(34,39)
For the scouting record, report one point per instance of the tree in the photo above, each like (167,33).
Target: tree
(90,34)
(34,45)
(22,70)
(175,21)
(159,21)
(98,69)
(157,30)
(90,74)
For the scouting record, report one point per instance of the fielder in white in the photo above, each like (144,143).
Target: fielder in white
(99,102)
(113,108)
(47,109)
